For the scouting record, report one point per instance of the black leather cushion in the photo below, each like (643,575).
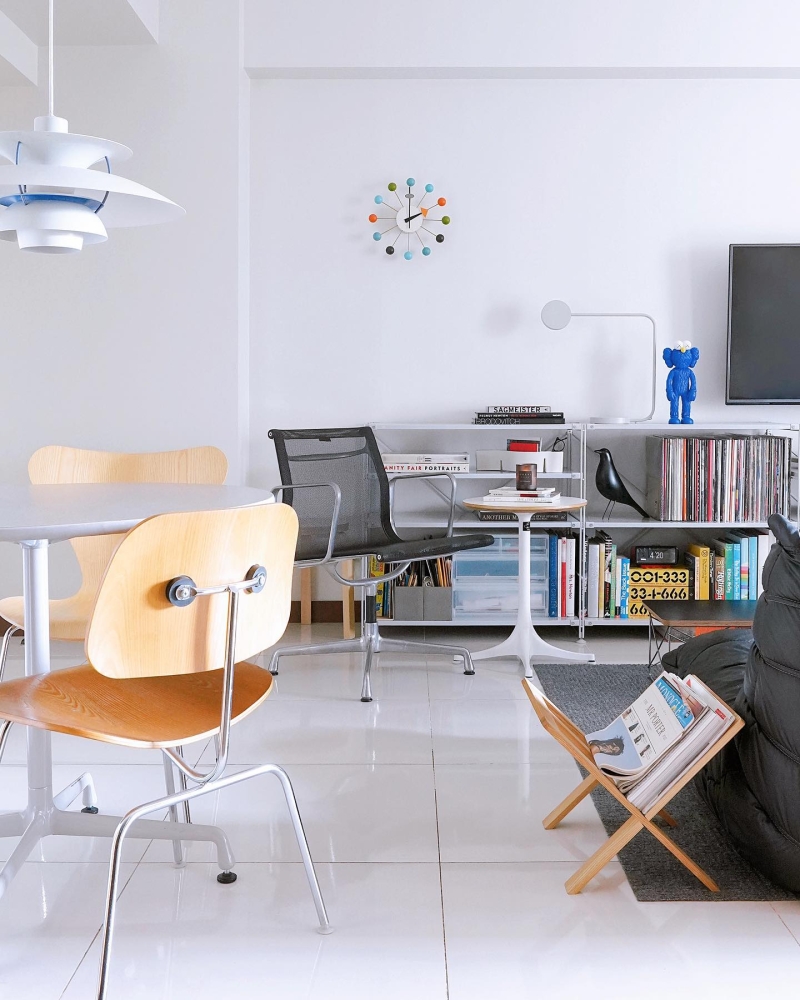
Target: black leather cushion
(753,785)
(717,658)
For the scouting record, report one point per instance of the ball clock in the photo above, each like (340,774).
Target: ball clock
(405,223)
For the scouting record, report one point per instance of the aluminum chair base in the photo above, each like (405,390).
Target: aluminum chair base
(370,643)
(133,822)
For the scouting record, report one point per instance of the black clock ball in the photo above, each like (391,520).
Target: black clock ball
(390,250)
(440,238)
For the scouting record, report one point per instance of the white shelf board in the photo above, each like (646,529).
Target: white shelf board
(697,430)
(473,522)
(474,427)
(647,525)
(480,620)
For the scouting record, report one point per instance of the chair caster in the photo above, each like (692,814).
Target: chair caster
(90,809)
(226,878)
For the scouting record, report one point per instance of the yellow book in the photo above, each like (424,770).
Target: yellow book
(664,583)
(703,553)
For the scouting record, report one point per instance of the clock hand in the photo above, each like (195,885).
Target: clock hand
(413,217)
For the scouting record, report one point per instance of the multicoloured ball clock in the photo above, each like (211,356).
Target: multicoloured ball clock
(411,220)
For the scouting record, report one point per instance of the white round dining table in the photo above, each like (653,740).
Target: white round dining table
(33,517)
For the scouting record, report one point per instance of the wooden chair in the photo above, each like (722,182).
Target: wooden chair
(55,464)
(185,600)
(565,732)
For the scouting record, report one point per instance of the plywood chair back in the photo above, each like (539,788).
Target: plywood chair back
(136,632)
(58,464)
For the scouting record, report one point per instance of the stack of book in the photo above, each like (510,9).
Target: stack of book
(607,579)
(394,463)
(562,576)
(538,497)
(530,416)
(656,740)
(718,479)
(731,567)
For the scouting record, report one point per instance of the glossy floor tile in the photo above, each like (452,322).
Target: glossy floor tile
(182,936)
(423,811)
(512,931)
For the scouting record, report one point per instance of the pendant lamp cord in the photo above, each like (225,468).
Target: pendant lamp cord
(50,60)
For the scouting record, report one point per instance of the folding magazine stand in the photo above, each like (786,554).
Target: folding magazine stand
(573,740)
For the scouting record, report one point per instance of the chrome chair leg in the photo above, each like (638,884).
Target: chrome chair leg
(170,801)
(366,688)
(409,646)
(169,779)
(10,631)
(339,646)
(187,812)
(5,729)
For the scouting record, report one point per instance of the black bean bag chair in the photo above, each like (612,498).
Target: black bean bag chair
(753,784)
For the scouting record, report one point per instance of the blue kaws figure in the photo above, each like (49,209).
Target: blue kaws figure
(681,381)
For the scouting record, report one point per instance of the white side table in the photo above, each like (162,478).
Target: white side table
(34,516)
(525,642)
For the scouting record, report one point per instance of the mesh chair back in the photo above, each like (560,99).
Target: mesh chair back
(350,458)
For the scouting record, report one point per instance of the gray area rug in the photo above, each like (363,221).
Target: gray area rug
(592,695)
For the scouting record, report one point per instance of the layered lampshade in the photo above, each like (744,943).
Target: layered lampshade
(51,201)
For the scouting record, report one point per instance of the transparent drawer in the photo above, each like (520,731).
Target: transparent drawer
(470,565)
(495,596)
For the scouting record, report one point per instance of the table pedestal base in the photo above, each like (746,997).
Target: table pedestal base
(525,642)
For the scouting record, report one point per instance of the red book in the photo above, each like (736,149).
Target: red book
(523,446)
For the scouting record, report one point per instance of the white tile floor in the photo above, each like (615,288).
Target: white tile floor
(423,811)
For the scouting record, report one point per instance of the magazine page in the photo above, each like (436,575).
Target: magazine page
(644,732)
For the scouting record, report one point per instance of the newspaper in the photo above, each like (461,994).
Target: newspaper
(646,731)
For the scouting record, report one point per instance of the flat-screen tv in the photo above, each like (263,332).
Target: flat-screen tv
(763,324)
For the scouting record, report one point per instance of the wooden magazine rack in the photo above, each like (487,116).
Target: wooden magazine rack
(574,741)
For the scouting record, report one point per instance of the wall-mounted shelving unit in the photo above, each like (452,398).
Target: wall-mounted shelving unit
(578,439)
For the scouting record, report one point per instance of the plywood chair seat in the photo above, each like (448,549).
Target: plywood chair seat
(69,617)
(164,711)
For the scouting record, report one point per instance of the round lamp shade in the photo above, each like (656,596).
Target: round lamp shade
(52,202)
(556,315)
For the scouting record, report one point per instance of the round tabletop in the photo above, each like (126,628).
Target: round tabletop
(55,513)
(557,506)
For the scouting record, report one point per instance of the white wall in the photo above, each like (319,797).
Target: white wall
(616,195)
(133,345)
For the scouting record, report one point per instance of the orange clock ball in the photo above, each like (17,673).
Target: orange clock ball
(373,218)
(442,202)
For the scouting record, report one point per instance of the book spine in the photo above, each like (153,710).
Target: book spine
(691,563)
(530,421)
(763,552)
(419,467)
(736,572)
(592,562)
(618,587)
(517,409)
(752,592)
(719,577)
(570,577)
(624,587)
(744,562)
(552,575)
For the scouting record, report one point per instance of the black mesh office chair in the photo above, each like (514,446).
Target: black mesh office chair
(335,481)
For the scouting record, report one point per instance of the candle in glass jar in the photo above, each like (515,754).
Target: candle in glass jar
(526,476)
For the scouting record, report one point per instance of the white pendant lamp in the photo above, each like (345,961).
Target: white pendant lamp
(51,202)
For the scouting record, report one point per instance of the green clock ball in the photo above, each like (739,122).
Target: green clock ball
(445,220)
(393,186)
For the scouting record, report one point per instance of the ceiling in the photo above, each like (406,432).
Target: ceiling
(85,22)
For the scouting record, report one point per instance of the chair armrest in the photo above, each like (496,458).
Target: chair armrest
(337,503)
(429,475)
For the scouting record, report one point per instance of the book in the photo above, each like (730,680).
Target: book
(571,577)
(530,418)
(517,409)
(764,545)
(624,586)
(592,579)
(659,583)
(521,500)
(719,577)
(499,515)
(418,462)
(725,549)
(645,731)
(552,574)
(692,563)
(702,554)
(516,444)
(535,491)
(401,467)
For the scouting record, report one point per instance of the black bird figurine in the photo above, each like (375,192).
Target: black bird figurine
(610,485)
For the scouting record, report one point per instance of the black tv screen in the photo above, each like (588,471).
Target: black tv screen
(764,324)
